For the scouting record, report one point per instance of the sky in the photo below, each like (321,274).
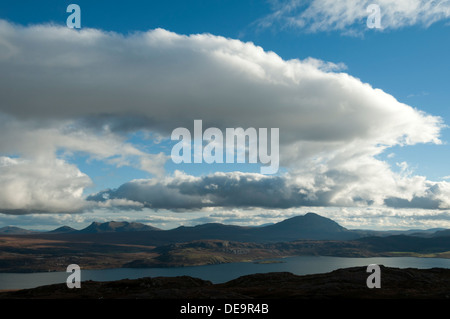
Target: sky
(87,114)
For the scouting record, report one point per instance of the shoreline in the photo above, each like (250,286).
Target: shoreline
(260,261)
(344,283)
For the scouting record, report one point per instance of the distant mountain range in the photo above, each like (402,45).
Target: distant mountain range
(93,228)
(135,245)
(113,226)
(310,226)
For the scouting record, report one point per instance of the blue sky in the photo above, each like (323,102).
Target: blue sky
(407,59)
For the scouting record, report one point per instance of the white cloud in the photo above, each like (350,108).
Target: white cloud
(369,185)
(35,186)
(382,218)
(162,80)
(82,91)
(38,178)
(350,16)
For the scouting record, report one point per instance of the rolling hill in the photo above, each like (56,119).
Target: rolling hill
(63,229)
(12,230)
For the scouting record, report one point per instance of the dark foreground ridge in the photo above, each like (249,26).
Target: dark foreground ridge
(348,283)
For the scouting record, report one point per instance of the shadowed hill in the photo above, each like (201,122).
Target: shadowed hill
(62,230)
(396,283)
(309,226)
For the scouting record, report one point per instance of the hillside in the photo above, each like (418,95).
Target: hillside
(348,283)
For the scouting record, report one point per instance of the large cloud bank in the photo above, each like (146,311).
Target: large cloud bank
(64,91)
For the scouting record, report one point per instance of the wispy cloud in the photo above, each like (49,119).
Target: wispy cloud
(350,17)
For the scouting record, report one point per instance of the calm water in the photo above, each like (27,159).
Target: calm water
(301,265)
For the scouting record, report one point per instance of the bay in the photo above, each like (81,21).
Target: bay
(299,265)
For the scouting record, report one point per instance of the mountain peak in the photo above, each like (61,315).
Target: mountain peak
(309,214)
(114,226)
(63,229)
(310,226)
